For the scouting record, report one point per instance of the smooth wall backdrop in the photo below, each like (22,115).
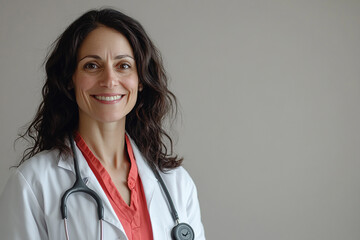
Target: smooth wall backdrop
(269,94)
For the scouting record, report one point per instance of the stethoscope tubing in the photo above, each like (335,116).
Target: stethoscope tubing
(67,232)
(80,186)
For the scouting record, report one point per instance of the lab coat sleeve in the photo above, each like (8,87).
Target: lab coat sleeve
(21,216)
(194,215)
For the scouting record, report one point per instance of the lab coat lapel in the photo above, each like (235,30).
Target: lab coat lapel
(147,177)
(156,202)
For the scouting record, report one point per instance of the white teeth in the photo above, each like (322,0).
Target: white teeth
(107,98)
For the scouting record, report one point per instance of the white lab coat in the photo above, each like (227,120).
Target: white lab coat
(30,202)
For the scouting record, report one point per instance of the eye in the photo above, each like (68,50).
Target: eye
(91,66)
(124,66)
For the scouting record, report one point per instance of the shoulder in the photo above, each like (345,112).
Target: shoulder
(180,184)
(43,160)
(174,178)
(30,196)
(177,175)
(38,176)
(170,176)
(28,177)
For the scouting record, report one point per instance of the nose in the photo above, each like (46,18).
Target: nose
(109,78)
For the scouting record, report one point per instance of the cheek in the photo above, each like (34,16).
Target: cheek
(81,86)
(82,83)
(132,84)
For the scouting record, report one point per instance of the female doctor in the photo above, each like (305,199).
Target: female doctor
(106,96)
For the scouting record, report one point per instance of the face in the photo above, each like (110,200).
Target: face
(105,80)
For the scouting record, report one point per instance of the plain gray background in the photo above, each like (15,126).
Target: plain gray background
(269,94)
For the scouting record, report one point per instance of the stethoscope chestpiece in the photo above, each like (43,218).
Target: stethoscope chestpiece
(182,231)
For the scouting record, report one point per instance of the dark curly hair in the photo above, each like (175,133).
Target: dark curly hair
(57,115)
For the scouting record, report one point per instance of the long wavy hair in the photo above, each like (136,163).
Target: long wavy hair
(57,115)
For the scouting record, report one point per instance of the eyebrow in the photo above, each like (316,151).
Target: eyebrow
(99,58)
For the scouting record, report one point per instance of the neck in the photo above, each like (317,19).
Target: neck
(106,141)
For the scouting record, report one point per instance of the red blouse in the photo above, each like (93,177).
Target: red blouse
(134,218)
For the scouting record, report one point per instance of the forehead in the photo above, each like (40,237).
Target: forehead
(103,40)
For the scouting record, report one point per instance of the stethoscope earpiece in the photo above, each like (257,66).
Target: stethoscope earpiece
(182,231)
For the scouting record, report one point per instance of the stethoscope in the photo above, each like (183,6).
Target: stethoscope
(181,231)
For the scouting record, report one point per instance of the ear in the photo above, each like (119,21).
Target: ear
(140,88)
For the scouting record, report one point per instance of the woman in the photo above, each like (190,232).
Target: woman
(106,91)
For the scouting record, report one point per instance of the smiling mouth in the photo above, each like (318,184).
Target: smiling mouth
(108,98)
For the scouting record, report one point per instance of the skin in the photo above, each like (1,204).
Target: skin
(106,68)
